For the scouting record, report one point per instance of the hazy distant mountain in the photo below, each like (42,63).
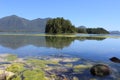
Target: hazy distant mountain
(17,24)
(114,32)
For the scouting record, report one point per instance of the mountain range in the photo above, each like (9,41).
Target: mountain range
(15,23)
(114,32)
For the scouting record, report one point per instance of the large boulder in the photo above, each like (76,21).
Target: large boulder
(115,59)
(100,70)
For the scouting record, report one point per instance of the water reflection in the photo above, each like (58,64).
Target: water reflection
(90,38)
(58,42)
(15,42)
(18,41)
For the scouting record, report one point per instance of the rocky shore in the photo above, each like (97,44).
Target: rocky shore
(55,67)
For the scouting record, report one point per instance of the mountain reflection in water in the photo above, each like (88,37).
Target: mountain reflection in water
(17,41)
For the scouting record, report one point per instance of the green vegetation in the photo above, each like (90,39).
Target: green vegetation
(40,63)
(97,31)
(47,68)
(58,42)
(58,26)
(17,78)
(11,57)
(37,63)
(32,70)
(81,68)
(34,75)
(69,65)
(81,29)
(16,68)
(92,30)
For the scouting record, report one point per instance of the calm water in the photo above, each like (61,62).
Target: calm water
(92,48)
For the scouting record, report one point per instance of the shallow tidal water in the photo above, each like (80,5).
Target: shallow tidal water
(95,49)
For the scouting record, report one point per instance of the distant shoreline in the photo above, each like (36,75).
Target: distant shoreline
(61,35)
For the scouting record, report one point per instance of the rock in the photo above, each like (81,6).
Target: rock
(75,78)
(114,59)
(100,70)
(5,75)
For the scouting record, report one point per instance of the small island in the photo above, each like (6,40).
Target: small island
(59,40)
(61,26)
(57,25)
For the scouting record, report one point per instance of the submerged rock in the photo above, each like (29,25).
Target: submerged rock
(100,70)
(115,59)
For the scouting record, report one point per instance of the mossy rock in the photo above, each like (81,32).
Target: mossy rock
(16,67)
(34,75)
(80,68)
(11,57)
(100,70)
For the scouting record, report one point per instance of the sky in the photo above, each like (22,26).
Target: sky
(89,13)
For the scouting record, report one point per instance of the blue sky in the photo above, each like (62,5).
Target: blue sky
(90,13)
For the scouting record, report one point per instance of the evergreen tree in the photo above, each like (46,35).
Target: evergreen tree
(97,31)
(59,25)
(81,29)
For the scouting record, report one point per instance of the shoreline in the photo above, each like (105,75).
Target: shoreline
(58,65)
(63,35)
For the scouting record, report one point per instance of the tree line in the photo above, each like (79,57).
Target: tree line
(61,25)
(83,29)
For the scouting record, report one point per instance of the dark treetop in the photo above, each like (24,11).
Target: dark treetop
(59,25)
